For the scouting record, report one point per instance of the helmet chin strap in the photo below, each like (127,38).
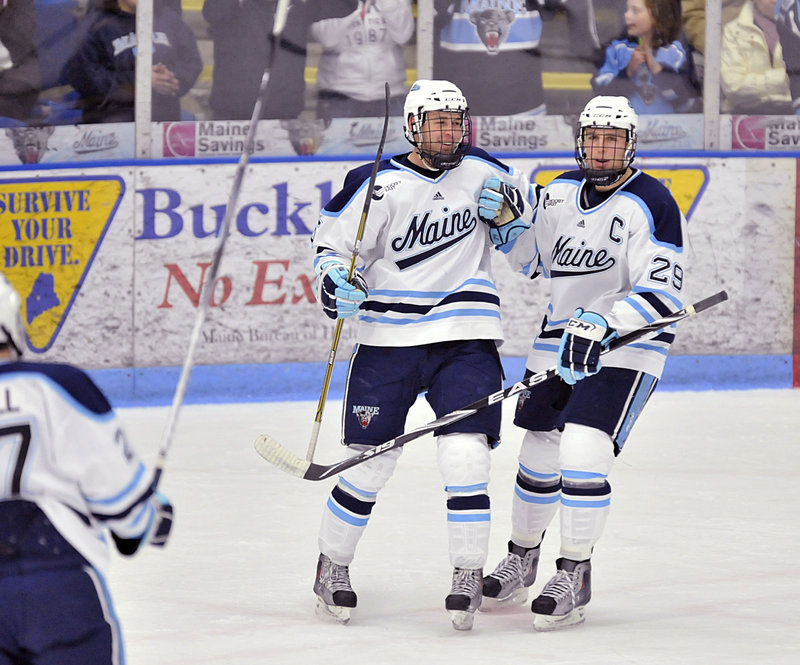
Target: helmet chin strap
(440,161)
(604,177)
(425,158)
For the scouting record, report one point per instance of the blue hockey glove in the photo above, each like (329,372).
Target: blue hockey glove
(585,336)
(502,208)
(340,299)
(162,522)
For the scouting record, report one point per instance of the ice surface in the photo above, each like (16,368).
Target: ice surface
(697,563)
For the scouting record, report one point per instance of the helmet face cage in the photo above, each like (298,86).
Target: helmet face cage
(424,97)
(607,113)
(12,330)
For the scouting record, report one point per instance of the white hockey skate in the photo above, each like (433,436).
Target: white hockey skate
(508,585)
(465,597)
(563,600)
(335,596)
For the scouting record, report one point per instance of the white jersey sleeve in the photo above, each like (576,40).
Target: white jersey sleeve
(624,257)
(63,448)
(425,254)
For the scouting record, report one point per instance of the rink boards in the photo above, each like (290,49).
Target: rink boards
(109,260)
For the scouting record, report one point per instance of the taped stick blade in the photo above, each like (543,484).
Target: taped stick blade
(704,304)
(280,456)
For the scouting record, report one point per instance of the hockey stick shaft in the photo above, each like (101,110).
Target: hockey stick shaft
(207,289)
(337,333)
(287,461)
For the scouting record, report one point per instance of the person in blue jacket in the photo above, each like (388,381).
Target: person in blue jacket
(103,68)
(650,64)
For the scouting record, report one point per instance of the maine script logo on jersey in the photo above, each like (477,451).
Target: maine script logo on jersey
(50,231)
(433,235)
(579,259)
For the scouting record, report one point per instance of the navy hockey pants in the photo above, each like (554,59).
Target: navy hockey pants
(54,607)
(610,401)
(384,382)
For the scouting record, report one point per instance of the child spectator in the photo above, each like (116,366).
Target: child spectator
(649,64)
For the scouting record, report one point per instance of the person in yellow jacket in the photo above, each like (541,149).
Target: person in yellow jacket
(694,20)
(753,73)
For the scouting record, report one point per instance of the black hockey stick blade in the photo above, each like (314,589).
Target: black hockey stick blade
(285,460)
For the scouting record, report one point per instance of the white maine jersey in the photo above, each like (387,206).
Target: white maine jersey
(62,447)
(425,254)
(624,258)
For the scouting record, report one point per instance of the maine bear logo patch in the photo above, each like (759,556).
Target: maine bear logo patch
(365,414)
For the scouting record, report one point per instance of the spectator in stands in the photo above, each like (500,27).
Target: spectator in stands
(584,41)
(694,20)
(19,69)
(486,49)
(787,21)
(649,64)
(360,53)
(240,30)
(285,94)
(102,69)
(753,74)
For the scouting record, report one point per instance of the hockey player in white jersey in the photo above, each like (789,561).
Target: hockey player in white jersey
(69,479)
(613,243)
(428,322)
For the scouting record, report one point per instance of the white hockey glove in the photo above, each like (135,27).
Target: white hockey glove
(585,336)
(502,208)
(340,299)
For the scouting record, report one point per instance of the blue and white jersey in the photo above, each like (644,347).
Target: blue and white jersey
(62,448)
(425,254)
(624,257)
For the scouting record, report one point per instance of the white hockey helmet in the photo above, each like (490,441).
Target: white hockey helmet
(607,112)
(427,95)
(12,330)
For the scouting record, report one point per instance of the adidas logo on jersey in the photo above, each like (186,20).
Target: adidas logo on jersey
(581,224)
(438,197)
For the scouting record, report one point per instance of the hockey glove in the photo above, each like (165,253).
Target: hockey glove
(340,299)
(502,208)
(157,532)
(585,336)
(162,522)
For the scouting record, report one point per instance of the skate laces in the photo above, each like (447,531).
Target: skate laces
(466,582)
(561,586)
(339,578)
(510,569)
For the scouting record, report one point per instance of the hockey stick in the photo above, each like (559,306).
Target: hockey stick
(284,459)
(207,289)
(326,384)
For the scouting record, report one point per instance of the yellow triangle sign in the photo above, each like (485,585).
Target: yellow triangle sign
(50,232)
(686,183)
